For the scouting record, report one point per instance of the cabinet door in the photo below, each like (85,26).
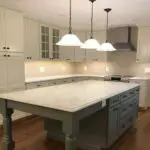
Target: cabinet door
(14,30)
(3,74)
(80,53)
(113,125)
(15,72)
(2,29)
(143,51)
(66,52)
(45,42)
(31,39)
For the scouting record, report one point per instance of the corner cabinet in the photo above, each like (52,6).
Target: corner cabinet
(143,51)
(11,30)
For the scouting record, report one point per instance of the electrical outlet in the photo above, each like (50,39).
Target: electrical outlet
(147,70)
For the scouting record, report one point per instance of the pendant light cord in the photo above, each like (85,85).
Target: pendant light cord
(70,18)
(92,22)
(107,29)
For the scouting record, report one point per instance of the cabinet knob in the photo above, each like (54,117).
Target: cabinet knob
(4,55)
(8,47)
(8,55)
(4,47)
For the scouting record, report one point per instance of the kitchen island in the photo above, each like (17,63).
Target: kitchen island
(69,107)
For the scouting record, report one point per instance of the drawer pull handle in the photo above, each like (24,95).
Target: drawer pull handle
(124,96)
(115,109)
(38,85)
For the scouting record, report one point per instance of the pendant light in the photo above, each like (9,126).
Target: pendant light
(106,46)
(91,43)
(70,39)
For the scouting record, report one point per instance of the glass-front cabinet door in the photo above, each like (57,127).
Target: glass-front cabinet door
(55,39)
(45,44)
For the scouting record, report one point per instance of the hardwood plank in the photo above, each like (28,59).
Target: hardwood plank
(29,135)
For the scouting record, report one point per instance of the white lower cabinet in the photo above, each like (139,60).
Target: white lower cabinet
(143,99)
(12,76)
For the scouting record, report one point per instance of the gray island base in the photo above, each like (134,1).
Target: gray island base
(76,112)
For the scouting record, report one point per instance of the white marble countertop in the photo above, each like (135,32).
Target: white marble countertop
(36,79)
(139,78)
(70,97)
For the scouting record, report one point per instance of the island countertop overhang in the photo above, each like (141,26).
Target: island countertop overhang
(70,97)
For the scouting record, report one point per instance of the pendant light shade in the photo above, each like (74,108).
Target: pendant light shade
(91,43)
(106,46)
(70,39)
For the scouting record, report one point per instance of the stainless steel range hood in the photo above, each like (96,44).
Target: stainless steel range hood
(124,38)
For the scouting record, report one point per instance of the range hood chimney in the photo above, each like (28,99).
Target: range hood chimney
(124,38)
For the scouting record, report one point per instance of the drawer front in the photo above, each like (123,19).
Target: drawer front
(114,101)
(126,122)
(37,85)
(126,107)
(128,94)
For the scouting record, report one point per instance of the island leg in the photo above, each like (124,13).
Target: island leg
(7,143)
(70,128)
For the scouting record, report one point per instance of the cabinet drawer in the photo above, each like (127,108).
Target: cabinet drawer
(128,94)
(37,85)
(114,101)
(126,122)
(126,107)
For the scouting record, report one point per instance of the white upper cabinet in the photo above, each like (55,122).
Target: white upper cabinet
(45,42)
(31,39)
(92,54)
(143,51)
(2,33)
(80,53)
(66,52)
(11,28)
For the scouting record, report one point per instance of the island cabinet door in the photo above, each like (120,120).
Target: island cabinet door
(113,125)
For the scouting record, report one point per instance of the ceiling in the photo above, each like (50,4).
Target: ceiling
(55,12)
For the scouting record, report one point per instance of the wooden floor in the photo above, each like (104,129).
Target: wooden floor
(29,135)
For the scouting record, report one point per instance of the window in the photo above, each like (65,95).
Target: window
(44,42)
(55,39)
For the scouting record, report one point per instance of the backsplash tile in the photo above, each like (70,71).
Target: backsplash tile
(48,68)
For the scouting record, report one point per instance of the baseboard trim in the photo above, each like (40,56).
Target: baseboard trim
(143,109)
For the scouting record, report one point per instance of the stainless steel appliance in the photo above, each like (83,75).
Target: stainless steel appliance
(119,78)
